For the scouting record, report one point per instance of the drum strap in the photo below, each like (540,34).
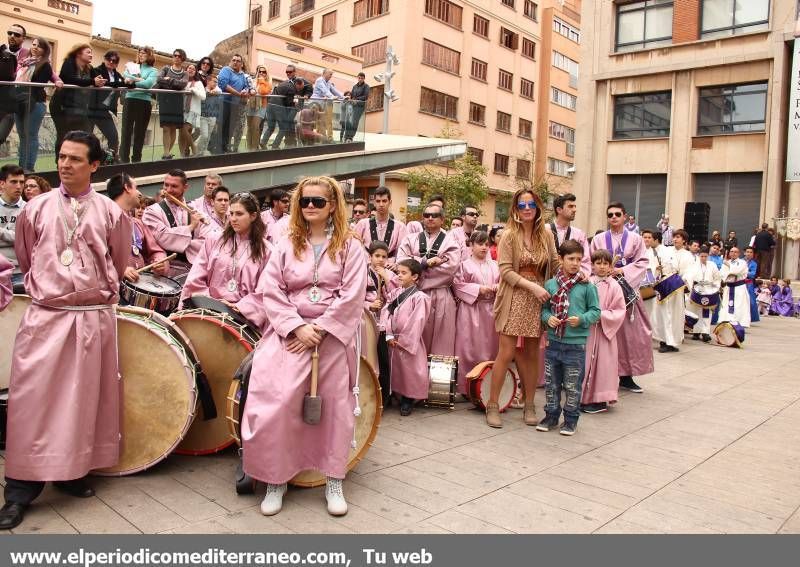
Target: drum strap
(204,394)
(173,224)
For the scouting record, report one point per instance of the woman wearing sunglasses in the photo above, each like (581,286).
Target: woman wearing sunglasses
(527,256)
(313,290)
(257,107)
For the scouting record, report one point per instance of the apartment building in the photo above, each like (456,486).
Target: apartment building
(685,101)
(61,23)
(473,70)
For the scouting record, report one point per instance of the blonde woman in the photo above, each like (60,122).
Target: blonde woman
(313,288)
(257,106)
(527,257)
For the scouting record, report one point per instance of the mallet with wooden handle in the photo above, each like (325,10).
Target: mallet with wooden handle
(312,403)
(154,264)
(182,205)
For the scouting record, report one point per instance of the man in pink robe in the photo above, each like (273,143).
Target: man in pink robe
(382,226)
(205,203)
(175,229)
(64,397)
(561,227)
(440,257)
(634,340)
(218,218)
(278,208)
(461,234)
(6,292)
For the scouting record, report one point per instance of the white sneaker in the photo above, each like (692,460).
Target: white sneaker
(273,499)
(337,505)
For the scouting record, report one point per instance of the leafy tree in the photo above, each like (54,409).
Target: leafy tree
(462,182)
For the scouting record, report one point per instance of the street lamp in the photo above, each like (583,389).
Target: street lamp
(389,95)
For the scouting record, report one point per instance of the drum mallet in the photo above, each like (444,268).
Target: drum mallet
(182,205)
(154,264)
(312,403)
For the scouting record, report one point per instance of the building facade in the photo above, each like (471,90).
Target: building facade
(685,101)
(62,23)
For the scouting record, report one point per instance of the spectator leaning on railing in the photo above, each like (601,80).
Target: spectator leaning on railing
(234,82)
(170,106)
(140,74)
(104,103)
(30,107)
(208,123)
(257,107)
(192,109)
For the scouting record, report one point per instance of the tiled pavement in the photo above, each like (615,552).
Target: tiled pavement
(711,446)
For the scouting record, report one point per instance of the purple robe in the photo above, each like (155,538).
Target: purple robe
(601,382)
(440,331)
(362,229)
(409,361)
(476,339)
(6,290)
(634,340)
(64,403)
(278,444)
(213,270)
(180,239)
(783,303)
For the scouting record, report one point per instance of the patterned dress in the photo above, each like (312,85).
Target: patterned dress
(525,315)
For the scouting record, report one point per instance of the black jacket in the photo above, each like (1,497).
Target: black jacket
(36,94)
(103,100)
(359,92)
(72,101)
(763,242)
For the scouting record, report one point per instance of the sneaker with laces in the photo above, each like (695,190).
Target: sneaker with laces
(598,407)
(337,505)
(550,421)
(568,428)
(627,383)
(273,499)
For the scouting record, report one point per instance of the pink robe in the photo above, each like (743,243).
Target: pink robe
(180,239)
(413,227)
(278,230)
(386,287)
(579,236)
(6,289)
(601,382)
(635,336)
(476,339)
(409,360)
(213,270)
(278,444)
(440,330)
(270,220)
(398,234)
(64,404)
(150,252)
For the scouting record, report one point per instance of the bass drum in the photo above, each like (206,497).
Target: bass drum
(10,318)
(158,369)
(367,423)
(369,339)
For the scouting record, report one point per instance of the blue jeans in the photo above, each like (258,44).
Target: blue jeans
(28,121)
(564,366)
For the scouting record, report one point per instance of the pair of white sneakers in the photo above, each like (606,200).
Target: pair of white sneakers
(337,505)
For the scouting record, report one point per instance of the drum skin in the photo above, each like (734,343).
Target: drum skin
(10,318)
(159,394)
(480,385)
(369,339)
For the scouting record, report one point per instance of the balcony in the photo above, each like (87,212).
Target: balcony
(299,7)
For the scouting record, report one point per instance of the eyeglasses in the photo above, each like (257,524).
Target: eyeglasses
(318,202)
(431,215)
(614,214)
(359,212)
(14,34)
(471,214)
(522,205)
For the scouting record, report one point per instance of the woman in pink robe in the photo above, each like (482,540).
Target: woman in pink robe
(216,275)
(313,289)
(6,290)
(601,383)
(476,286)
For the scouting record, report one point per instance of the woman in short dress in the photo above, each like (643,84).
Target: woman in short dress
(527,257)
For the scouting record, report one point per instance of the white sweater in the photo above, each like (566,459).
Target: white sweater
(8,226)
(198,96)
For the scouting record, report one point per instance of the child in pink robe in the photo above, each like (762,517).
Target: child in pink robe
(476,287)
(601,382)
(379,285)
(404,319)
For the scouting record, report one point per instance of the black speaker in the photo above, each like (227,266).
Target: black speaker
(695,220)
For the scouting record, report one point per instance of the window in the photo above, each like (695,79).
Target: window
(477,114)
(732,108)
(561,132)
(440,57)
(479,69)
(274,9)
(255,17)
(732,17)
(503,122)
(509,3)
(508,38)
(476,153)
(531,10)
(526,88)
(298,7)
(644,24)
(372,53)
(558,167)
(642,115)
(374,99)
(525,128)
(735,200)
(368,9)
(523,168)
(480,26)
(440,104)
(561,61)
(563,99)
(444,11)
(565,29)
(501,164)
(329,23)
(528,48)
(506,80)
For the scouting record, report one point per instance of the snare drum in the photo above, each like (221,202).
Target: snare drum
(646,290)
(729,334)
(153,292)
(668,286)
(221,344)
(442,375)
(159,395)
(480,384)
(10,318)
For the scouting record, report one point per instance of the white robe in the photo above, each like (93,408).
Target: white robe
(704,279)
(669,315)
(649,304)
(735,271)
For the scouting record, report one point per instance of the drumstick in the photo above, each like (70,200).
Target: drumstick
(154,264)
(183,205)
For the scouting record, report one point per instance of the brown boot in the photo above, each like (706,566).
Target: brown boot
(529,414)
(493,415)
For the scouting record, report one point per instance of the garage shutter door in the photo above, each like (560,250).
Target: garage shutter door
(735,200)
(644,196)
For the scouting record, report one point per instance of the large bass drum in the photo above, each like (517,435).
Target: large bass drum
(158,369)
(10,318)
(369,339)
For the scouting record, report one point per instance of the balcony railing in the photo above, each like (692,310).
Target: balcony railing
(69,7)
(256,123)
(300,7)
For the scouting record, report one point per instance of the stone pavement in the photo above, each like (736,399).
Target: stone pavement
(709,447)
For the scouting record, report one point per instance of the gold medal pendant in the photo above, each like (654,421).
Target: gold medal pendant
(67,257)
(314,295)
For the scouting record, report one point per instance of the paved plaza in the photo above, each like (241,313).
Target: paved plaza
(710,447)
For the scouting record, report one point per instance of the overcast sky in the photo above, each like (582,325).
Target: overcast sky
(195,25)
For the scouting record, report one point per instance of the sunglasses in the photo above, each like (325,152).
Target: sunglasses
(14,34)
(318,202)
(114,61)
(471,214)
(522,205)
(178,55)
(359,212)
(431,215)
(616,214)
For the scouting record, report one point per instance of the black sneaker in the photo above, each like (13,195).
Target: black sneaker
(706,338)
(628,383)
(673,349)
(405,406)
(663,348)
(549,421)
(695,336)
(568,428)
(599,407)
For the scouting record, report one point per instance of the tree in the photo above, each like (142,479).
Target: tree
(462,182)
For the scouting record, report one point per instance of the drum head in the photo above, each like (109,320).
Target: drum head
(369,339)
(155,285)
(221,345)
(366,425)
(480,389)
(159,396)
(10,318)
